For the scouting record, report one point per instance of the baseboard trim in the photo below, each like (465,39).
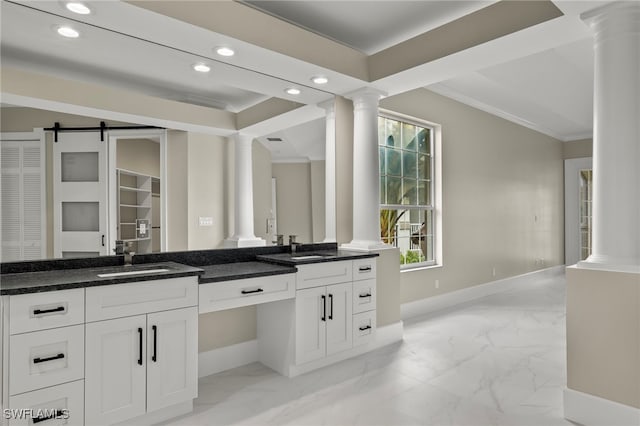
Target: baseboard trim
(227,357)
(590,410)
(437,303)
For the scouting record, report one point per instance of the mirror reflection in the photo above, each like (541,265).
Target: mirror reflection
(164,189)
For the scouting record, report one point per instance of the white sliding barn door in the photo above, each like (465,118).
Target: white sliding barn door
(80,195)
(22,195)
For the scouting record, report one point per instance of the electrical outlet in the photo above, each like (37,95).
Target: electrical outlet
(205,221)
(437,283)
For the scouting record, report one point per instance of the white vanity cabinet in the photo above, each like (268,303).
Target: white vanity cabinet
(323,321)
(101,355)
(43,354)
(142,363)
(331,318)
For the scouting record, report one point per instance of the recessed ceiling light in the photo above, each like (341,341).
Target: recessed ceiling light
(202,68)
(79,8)
(225,51)
(293,91)
(319,79)
(68,32)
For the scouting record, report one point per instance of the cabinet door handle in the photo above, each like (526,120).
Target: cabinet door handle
(331,311)
(364,268)
(366,327)
(48,311)
(140,340)
(324,308)
(258,290)
(51,358)
(365,295)
(154,357)
(58,413)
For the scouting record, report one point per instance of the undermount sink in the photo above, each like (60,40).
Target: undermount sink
(138,272)
(309,257)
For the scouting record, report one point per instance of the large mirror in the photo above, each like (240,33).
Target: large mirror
(161,184)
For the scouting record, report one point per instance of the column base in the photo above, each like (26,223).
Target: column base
(234,242)
(329,240)
(364,245)
(609,263)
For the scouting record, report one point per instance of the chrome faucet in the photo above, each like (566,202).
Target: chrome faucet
(295,246)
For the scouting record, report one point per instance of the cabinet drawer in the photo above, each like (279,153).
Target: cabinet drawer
(251,291)
(67,401)
(364,296)
(325,273)
(121,300)
(364,327)
(364,269)
(45,358)
(51,309)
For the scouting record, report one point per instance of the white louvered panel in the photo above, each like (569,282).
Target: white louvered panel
(31,191)
(11,220)
(33,252)
(10,253)
(10,157)
(31,157)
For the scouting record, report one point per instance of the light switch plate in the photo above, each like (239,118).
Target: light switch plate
(206,221)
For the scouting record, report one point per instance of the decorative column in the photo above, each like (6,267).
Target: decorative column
(616,138)
(366,171)
(243,195)
(330,172)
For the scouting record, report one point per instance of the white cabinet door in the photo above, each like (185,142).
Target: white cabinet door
(311,324)
(339,318)
(172,357)
(115,375)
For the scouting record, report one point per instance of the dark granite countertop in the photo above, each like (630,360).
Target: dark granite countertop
(240,270)
(315,256)
(35,282)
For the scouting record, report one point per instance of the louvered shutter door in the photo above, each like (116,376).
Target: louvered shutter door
(21,197)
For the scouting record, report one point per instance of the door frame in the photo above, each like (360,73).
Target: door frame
(159,135)
(572,169)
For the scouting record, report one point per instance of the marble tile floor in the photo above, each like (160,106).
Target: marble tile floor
(499,360)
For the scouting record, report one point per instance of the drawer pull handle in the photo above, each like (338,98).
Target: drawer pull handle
(140,353)
(154,358)
(366,327)
(324,308)
(58,413)
(258,290)
(364,268)
(365,295)
(51,358)
(48,311)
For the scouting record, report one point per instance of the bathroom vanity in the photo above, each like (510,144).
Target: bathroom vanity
(107,344)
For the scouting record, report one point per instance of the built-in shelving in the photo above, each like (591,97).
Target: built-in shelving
(136,193)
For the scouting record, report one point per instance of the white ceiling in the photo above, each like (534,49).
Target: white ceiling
(540,77)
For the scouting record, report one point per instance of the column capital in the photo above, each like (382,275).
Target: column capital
(242,137)
(367,95)
(614,18)
(329,106)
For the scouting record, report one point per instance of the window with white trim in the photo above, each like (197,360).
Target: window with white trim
(407,188)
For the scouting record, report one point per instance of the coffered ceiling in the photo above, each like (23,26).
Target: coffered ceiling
(529,62)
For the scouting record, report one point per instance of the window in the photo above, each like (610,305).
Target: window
(407,188)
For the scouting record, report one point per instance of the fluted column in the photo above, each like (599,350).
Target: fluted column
(366,172)
(330,172)
(243,235)
(616,138)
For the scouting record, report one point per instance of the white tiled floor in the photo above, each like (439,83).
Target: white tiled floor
(497,361)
